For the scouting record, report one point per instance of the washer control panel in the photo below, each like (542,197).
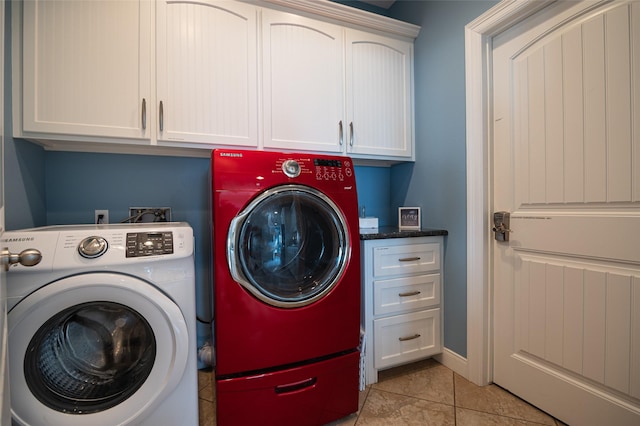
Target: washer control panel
(149,243)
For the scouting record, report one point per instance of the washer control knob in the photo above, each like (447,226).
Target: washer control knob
(291,168)
(92,247)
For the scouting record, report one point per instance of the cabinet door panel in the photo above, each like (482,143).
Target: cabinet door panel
(303,83)
(86,67)
(207,72)
(379,95)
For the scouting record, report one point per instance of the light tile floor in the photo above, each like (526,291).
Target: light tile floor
(424,393)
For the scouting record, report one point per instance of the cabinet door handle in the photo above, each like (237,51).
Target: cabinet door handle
(144,114)
(351,134)
(409,293)
(341,133)
(404,339)
(161,118)
(408,259)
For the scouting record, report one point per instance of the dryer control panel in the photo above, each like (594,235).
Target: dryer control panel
(149,243)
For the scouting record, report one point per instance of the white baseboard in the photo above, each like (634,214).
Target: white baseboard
(453,361)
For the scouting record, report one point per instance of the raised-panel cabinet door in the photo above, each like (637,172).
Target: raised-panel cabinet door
(379,95)
(86,68)
(207,73)
(303,83)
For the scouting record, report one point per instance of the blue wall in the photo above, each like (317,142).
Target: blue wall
(44,188)
(437,180)
(59,188)
(24,162)
(78,183)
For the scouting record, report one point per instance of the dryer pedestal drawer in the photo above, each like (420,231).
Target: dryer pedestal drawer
(312,394)
(405,338)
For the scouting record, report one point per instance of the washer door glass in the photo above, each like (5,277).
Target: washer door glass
(94,348)
(89,357)
(289,246)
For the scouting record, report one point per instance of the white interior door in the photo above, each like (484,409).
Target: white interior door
(566,165)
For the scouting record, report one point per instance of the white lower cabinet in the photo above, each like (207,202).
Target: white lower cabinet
(402,301)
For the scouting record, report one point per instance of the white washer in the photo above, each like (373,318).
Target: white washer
(102,331)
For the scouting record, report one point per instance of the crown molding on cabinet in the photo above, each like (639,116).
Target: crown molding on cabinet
(349,15)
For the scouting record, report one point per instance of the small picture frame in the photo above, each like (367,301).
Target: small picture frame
(409,218)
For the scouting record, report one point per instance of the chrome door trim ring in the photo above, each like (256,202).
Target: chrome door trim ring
(234,232)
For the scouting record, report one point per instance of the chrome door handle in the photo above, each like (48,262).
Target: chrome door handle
(27,257)
(341,133)
(161,118)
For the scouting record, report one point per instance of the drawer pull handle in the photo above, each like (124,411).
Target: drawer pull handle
(409,293)
(293,387)
(408,259)
(404,339)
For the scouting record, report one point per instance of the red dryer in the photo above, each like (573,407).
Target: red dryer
(286,259)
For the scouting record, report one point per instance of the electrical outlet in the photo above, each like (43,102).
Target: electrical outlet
(101,217)
(149,214)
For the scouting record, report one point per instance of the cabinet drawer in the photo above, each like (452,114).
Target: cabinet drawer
(403,338)
(406,294)
(406,259)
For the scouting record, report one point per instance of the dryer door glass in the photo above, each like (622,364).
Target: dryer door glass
(89,357)
(290,246)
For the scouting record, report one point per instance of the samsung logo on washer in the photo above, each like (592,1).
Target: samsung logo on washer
(17,239)
(231,154)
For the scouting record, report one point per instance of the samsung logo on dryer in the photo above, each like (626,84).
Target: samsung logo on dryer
(17,239)
(231,154)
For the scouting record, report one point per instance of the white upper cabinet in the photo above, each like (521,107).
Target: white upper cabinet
(310,105)
(379,96)
(207,73)
(303,83)
(86,68)
(183,77)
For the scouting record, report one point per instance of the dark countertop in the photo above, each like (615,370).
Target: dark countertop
(393,232)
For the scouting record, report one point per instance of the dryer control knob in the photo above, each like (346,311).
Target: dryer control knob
(92,247)
(291,168)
